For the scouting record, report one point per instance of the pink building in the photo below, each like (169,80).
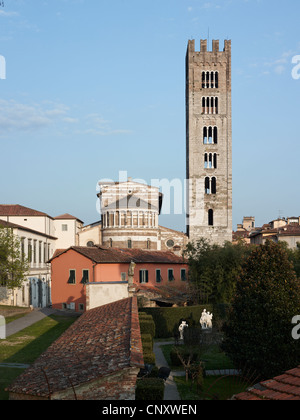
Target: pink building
(86,277)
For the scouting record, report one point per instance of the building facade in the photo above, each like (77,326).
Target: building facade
(209,142)
(40,235)
(130,219)
(86,277)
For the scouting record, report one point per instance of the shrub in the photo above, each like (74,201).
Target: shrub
(149,389)
(147,327)
(192,336)
(149,357)
(167,320)
(185,353)
(258,331)
(147,340)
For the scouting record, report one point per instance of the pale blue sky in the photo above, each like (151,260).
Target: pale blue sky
(94,87)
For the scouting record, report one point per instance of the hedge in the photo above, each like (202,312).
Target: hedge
(147,326)
(150,389)
(167,320)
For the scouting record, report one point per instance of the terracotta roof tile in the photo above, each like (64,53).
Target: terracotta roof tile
(100,254)
(283,387)
(102,341)
(67,216)
(17,210)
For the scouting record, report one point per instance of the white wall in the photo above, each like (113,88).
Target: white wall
(43,224)
(99,294)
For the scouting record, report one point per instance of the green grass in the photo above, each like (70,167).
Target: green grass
(214,388)
(214,359)
(26,345)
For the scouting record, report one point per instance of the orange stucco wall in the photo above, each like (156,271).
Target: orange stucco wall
(65,293)
(61,291)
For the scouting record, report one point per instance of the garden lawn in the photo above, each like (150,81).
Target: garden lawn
(213,357)
(26,345)
(214,388)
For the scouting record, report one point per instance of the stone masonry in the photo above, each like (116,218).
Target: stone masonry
(209,142)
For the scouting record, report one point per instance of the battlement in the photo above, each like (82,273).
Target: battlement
(215,46)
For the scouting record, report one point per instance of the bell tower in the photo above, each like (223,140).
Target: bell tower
(209,142)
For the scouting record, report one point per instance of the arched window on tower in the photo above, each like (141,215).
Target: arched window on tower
(215,161)
(212,79)
(216,80)
(210,217)
(207,185)
(213,185)
(203,80)
(215,135)
(210,135)
(205,138)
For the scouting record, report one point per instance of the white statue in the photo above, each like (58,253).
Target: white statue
(181,328)
(206,320)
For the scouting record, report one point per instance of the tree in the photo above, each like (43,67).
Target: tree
(13,265)
(258,330)
(214,270)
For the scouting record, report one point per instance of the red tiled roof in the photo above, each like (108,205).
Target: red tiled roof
(67,216)
(102,341)
(284,387)
(17,210)
(100,254)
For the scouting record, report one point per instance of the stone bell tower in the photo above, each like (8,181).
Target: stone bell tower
(209,142)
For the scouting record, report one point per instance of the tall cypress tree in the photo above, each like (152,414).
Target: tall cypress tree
(258,333)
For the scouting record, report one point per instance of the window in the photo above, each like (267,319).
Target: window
(23,249)
(170,243)
(210,135)
(171,274)
(81,307)
(207,185)
(210,185)
(110,243)
(210,105)
(72,277)
(64,228)
(158,277)
(213,185)
(123,276)
(34,251)
(29,251)
(85,276)
(210,80)
(148,244)
(143,276)
(90,244)
(210,217)
(129,243)
(183,274)
(40,252)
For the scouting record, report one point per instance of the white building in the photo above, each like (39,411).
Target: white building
(40,236)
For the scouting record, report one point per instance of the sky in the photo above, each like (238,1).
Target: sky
(90,89)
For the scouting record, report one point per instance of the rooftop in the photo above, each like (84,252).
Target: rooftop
(17,210)
(101,254)
(102,341)
(284,387)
